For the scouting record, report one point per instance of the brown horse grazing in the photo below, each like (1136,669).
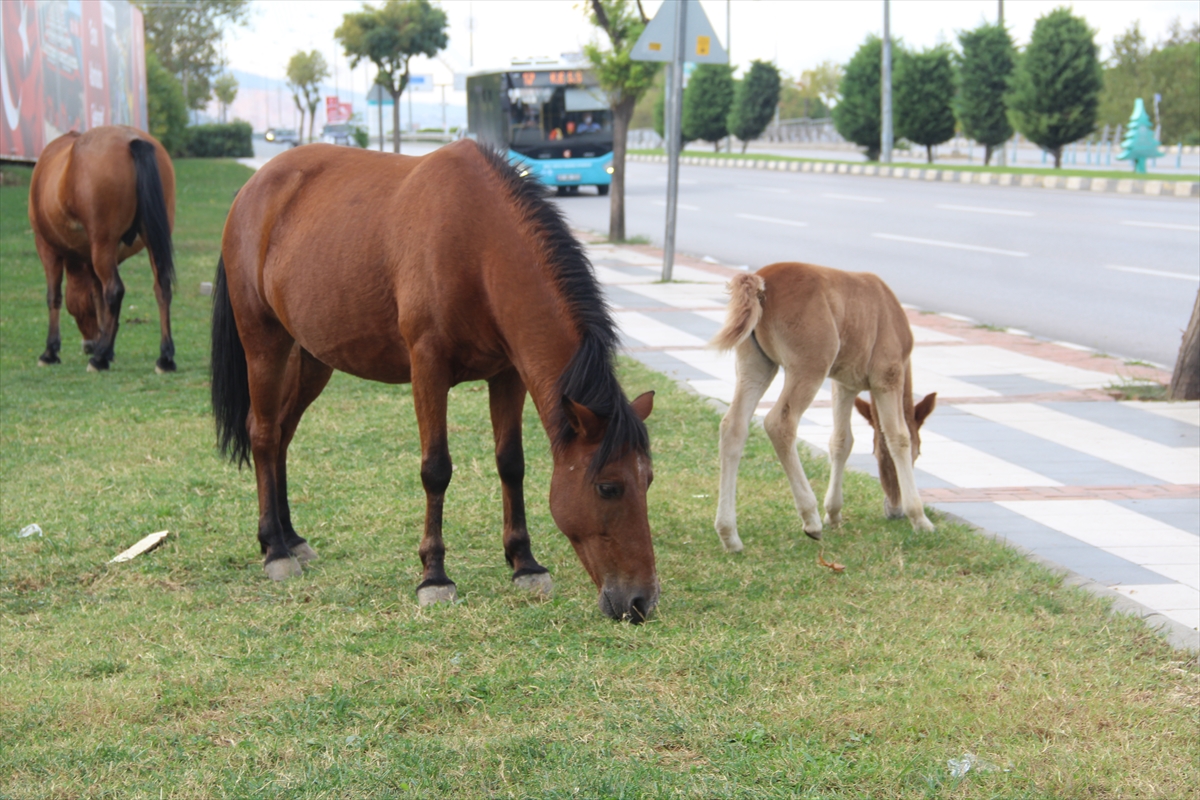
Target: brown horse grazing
(816,323)
(95,199)
(432,270)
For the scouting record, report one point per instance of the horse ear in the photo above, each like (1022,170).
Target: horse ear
(925,408)
(864,408)
(643,404)
(587,426)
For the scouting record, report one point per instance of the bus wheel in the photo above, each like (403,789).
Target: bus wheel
(573,190)
(561,191)
(602,189)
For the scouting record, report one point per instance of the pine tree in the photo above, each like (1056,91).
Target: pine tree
(1055,89)
(754,102)
(924,98)
(987,60)
(858,115)
(706,103)
(1139,142)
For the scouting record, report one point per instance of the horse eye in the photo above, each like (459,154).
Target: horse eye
(609,491)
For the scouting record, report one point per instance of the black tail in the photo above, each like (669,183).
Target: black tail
(152,221)
(230,380)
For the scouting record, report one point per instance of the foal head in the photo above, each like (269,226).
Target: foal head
(600,504)
(914,417)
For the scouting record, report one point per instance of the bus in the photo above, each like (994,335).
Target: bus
(550,116)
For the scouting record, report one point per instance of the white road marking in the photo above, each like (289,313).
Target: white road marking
(953,245)
(775,220)
(857,197)
(1170,226)
(1183,276)
(1011,212)
(684,206)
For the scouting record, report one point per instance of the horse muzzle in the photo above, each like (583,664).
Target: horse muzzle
(629,602)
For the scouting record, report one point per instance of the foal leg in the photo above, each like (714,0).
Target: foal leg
(53,264)
(506,396)
(890,416)
(841,442)
(104,262)
(431,384)
(306,378)
(754,374)
(166,346)
(799,389)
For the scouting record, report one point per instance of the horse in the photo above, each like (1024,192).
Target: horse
(820,323)
(431,270)
(95,199)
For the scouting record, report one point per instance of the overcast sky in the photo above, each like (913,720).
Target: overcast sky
(794,34)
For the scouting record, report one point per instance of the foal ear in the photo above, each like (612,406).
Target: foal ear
(643,404)
(865,409)
(925,408)
(587,426)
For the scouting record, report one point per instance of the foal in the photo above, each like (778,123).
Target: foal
(816,323)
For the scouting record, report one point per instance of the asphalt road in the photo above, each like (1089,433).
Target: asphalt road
(1115,273)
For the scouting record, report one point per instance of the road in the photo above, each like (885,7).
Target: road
(1115,273)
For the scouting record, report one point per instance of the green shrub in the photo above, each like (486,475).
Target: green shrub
(229,140)
(361,137)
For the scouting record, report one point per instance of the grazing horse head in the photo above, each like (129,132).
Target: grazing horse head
(598,499)
(914,417)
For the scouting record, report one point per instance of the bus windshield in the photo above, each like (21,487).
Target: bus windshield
(555,107)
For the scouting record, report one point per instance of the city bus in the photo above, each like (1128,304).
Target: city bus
(550,116)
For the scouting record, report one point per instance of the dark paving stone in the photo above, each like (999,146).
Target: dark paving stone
(1013,384)
(687,322)
(1179,513)
(622,299)
(671,366)
(1131,419)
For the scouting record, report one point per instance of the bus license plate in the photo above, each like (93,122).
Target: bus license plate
(569,176)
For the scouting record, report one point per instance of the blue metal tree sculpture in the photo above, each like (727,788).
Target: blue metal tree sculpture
(1139,143)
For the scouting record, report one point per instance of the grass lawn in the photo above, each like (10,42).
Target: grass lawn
(185,673)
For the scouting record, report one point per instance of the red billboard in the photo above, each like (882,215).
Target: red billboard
(68,65)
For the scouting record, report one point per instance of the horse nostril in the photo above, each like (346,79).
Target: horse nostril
(638,611)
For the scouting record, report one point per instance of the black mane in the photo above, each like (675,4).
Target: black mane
(590,378)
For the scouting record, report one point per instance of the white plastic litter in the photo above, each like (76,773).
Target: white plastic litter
(29,530)
(961,766)
(144,545)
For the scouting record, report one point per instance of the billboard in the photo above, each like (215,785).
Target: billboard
(68,65)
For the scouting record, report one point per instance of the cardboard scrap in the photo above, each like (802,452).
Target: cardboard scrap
(144,545)
(833,565)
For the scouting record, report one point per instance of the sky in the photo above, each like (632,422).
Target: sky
(794,34)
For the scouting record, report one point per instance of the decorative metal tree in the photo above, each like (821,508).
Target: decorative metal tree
(1139,143)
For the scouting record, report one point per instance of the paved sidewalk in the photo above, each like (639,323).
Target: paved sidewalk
(1025,444)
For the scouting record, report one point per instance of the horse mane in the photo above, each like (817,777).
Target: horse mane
(590,377)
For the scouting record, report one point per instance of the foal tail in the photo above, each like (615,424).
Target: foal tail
(230,380)
(744,311)
(152,221)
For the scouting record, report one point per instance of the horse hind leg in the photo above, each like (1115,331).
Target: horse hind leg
(506,396)
(305,379)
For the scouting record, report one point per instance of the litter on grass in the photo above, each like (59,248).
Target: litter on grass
(29,530)
(144,545)
(961,766)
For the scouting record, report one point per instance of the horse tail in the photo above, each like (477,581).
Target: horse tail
(230,379)
(743,313)
(153,223)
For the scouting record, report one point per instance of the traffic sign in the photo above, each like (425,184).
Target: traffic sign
(701,45)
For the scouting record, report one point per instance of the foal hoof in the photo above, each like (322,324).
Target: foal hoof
(535,582)
(429,595)
(303,553)
(814,535)
(283,568)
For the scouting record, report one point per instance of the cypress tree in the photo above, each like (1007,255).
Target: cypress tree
(1054,91)
(858,116)
(925,98)
(754,102)
(706,103)
(987,60)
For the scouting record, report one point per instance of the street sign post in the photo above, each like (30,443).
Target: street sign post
(680,32)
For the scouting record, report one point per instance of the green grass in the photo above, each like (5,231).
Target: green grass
(185,673)
(1113,174)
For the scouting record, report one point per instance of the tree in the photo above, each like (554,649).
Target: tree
(797,101)
(226,89)
(625,81)
(924,97)
(1054,92)
(823,83)
(184,37)
(1170,69)
(754,102)
(388,37)
(1185,381)
(707,102)
(166,108)
(858,116)
(986,62)
(305,71)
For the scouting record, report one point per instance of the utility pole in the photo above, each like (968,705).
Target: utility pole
(1002,156)
(673,144)
(885,85)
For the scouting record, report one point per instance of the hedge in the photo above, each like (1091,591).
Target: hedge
(230,140)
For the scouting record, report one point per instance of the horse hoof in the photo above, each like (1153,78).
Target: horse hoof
(93,368)
(164,368)
(303,553)
(45,362)
(833,520)
(428,595)
(535,583)
(733,544)
(282,568)
(814,535)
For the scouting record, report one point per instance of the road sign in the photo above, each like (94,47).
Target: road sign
(701,45)
(420,83)
(378,95)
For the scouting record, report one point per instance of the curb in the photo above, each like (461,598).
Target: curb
(1153,188)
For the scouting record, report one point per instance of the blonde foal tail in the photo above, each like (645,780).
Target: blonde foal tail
(744,311)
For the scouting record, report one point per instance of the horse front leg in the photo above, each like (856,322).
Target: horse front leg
(841,443)
(431,384)
(53,264)
(306,378)
(506,397)
(104,263)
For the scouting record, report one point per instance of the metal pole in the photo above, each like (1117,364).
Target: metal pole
(1002,159)
(885,85)
(673,143)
